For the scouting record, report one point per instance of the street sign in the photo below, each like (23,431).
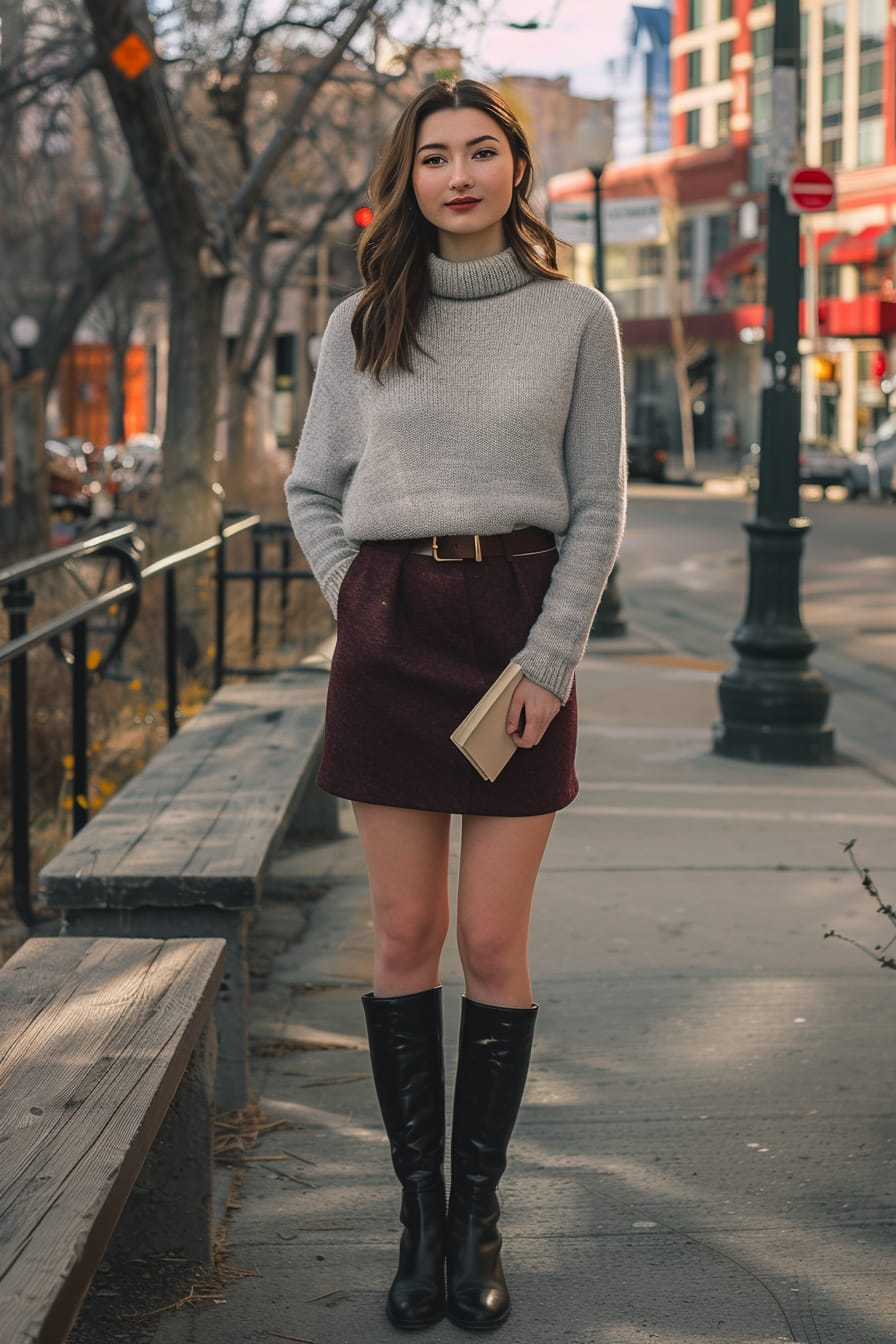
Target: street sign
(810,189)
(131,56)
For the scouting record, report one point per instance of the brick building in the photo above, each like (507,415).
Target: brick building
(708,250)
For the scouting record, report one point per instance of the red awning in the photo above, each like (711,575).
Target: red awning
(855,249)
(738,260)
(822,238)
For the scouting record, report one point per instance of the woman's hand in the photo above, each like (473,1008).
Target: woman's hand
(540,705)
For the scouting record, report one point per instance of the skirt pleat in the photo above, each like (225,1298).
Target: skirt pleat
(418,642)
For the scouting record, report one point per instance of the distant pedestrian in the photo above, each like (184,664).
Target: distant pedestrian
(466,416)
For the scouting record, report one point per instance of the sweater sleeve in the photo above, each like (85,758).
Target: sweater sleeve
(325,458)
(596,473)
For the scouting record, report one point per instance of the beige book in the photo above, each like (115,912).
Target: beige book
(482,736)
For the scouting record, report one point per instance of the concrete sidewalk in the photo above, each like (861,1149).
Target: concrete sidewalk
(706,1149)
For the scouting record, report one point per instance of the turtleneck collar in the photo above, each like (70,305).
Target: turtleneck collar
(477,279)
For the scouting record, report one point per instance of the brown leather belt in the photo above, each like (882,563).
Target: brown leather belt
(524,541)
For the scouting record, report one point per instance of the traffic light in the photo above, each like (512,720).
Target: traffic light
(363,216)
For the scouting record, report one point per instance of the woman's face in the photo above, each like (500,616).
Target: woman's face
(463,179)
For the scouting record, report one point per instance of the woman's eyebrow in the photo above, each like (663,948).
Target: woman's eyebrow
(477,141)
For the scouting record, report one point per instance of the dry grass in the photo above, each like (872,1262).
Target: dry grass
(126,708)
(159,1284)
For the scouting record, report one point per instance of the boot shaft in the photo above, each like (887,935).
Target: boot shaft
(493,1063)
(405,1038)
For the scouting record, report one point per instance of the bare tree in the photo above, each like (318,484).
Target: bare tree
(73,218)
(682,355)
(209,193)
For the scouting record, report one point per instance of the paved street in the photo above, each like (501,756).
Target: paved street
(684,576)
(706,1151)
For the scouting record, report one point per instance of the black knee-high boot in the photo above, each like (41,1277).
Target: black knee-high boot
(495,1045)
(405,1036)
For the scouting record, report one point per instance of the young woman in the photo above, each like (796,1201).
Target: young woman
(466,414)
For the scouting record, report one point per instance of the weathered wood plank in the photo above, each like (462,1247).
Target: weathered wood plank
(199,823)
(84,1087)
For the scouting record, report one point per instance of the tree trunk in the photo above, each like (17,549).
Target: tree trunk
(239,446)
(190,510)
(676,329)
(683,384)
(28,529)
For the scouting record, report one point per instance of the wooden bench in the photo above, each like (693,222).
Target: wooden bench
(107,1058)
(183,849)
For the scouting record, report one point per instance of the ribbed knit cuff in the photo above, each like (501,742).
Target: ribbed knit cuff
(333,582)
(548,672)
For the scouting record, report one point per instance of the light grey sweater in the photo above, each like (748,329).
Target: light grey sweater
(515,420)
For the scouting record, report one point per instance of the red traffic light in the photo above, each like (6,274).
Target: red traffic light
(363,216)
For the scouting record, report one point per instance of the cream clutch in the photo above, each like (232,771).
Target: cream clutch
(483,736)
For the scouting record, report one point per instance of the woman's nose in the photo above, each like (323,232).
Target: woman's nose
(460,176)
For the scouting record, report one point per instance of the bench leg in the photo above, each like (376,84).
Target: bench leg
(170,1207)
(232,1002)
(317,814)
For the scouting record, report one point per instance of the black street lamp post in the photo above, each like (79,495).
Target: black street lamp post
(595,144)
(773,704)
(596,171)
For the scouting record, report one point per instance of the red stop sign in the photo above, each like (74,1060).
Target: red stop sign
(810,189)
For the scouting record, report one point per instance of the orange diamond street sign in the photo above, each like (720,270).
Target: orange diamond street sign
(131,56)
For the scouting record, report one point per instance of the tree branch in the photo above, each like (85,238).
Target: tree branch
(265,165)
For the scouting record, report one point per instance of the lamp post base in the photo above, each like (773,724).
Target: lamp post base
(775,746)
(773,704)
(609,623)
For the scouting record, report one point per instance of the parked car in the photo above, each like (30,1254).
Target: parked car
(70,483)
(822,464)
(138,466)
(873,470)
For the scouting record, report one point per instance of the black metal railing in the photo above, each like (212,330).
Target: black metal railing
(123,546)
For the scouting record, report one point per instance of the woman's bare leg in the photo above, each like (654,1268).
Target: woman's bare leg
(407,863)
(499,862)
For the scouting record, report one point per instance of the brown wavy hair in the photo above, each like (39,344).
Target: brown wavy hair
(393,252)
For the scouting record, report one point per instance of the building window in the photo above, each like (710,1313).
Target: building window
(871,77)
(872,36)
(832,88)
(725,50)
(695,13)
(832,151)
(833,24)
(872,23)
(763,43)
(652,259)
(726,9)
(833,27)
(692,126)
(804,72)
(723,128)
(685,249)
(870,147)
(719,235)
(695,69)
(758,166)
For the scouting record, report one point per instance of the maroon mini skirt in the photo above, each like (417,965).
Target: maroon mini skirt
(418,642)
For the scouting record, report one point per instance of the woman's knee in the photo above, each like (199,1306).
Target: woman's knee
(406,940)
(488,956)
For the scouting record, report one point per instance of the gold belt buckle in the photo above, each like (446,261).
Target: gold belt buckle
(453,559)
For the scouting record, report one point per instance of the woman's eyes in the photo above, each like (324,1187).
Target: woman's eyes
(440,158)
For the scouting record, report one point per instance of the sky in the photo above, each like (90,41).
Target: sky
(576,38)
